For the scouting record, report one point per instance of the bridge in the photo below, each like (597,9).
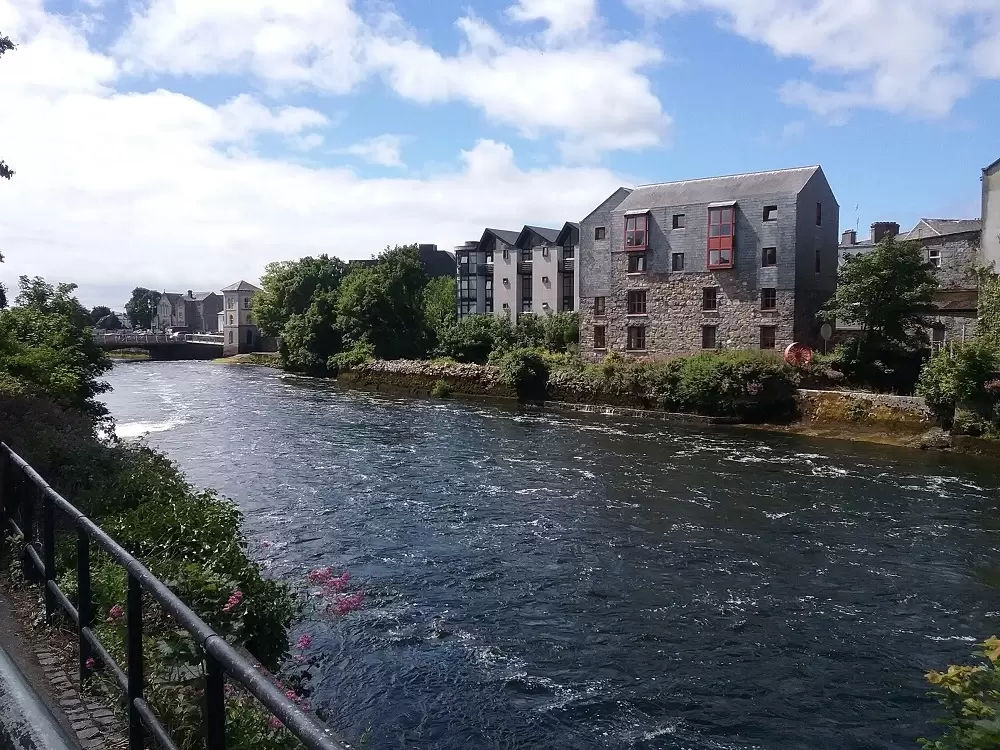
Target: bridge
(163,346)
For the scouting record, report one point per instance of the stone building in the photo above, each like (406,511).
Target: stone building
(171,312)
(743,261)
(990,251)
(239,329)
(194,312)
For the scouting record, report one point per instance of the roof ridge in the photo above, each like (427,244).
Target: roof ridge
(724,176)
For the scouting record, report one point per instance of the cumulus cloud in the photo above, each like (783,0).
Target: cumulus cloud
(563,18)
(384,150)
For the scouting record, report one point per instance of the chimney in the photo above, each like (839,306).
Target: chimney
(883,229)
(850,237)
(190,294)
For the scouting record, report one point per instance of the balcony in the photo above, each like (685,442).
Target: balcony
(566,265)
(484,269)
(524,267)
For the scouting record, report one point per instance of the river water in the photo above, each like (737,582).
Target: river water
(539,580)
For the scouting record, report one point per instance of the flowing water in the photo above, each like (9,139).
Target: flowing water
(538,580)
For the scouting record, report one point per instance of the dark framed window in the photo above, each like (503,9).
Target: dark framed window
(819,261)
(678,221)
(526,255)
(709,335)
(710,298)
(488,256)
(598,307)
(600,233)
(637,302)
(526,294)
(489,295)
(770,213)
(636,338)
(768,298)
(939,337)
(819,214)
(506,253)
(569,252)
(637,263)
(768,336)
(600,337)
(567,291)
(768,257)
(635,231)
(720,237)
(677,261)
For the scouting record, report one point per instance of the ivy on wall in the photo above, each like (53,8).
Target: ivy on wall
(989,305)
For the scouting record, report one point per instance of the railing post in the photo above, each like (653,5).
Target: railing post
(48,553)
(27,508)
(215,704)
(133,655)
(84,603)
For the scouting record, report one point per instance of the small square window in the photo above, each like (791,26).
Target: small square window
(636,338)
(600,337)
(770,213)
(768,336)
(934,256)
(677,262)
(637,263)
(600,233)
(598,307)
(708,336)
(768,298)
(637,302)
(819,214)
(768,257)
(678,221)
(710,298)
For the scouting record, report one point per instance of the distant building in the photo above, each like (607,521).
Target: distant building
(240,333)
(990,253)
(435,262)
(171,312)
(201,311)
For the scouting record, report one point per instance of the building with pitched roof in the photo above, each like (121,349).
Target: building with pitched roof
(990,252)
(240,333)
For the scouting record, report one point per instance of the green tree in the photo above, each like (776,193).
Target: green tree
(6,45)
(290,286)
(109,322)
(888,293)
(439,305)
(141,308)
(99,312)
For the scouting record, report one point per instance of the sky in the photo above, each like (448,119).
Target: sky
(185,144)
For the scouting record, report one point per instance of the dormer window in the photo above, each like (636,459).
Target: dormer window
(635,232)
(720,236)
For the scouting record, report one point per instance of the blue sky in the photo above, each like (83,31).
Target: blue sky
(185,143)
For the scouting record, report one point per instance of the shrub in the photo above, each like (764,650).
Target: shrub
(472,338)
(970,696)
(526,371)
(960,375)
(441,389)
(358,354)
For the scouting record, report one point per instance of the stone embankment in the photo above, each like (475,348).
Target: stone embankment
(420,378)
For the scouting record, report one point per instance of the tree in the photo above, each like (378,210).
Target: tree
(888,294)
(6,45)
(290,286)
(439,305)
(99,312)
(109,322)
(141,308)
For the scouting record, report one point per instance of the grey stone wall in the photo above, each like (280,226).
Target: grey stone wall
(594,256)
(959,327)
(959,256)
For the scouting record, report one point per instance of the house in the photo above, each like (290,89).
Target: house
(240,333)
(990,251)
(171,312)
(743,261)
(201,311)
(435,262)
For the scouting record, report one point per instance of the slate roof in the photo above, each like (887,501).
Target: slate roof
(507,235)
(241,286)
(198,296)
(172,297)
(569,234)
(930,228)
(992,166)
(714,189)
(547,234)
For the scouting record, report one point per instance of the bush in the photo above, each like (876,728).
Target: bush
(960,375)
(883,368)
(358,354)
(472,338)
(526,371)
(441,389)
(970,696)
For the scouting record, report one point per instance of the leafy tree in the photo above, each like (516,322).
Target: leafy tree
(439,305)
(290,286)
(970,698)
(311,338)
(99,312)
(6,45)
(109,322)
(141,308)
(888,293)
(472,338)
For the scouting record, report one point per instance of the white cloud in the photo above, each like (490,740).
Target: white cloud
(115,190)
(914,56)
(384,150)
(564,18)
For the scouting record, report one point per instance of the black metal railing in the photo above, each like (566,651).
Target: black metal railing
(24,497)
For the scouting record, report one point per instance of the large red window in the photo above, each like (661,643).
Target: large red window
(635,232)
(720,237)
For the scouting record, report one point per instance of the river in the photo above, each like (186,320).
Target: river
(540,580)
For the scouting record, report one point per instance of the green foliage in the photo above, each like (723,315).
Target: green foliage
(99,312)
(989,306)
(472,338)
(311,338)
(970,696)
(290,287)
(141,308)
(441,389)
(527,372)
(888,293)
(439,305)
(358,354)
(109,323)
(961,374)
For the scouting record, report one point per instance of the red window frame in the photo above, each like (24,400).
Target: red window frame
(721,226)
(636,232)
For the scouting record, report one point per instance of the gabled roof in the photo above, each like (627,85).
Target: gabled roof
(992,166)
(930,228)
(615,198)
(198,296)
(172,297)
(241,286)
(715,189)
(569,234)
(504,235)
(545,234)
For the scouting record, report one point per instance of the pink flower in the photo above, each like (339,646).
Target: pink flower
(346,604)
(90,663)
(234,600)
(115,613)
(319,575)
(275,723)
(304,642)
(292,696)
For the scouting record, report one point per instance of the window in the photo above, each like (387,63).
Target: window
(819,262)
(526,295)
(710,298)
(600,233)
(678,221)
(635,231)
(819,214)
(767,336)
(600,337)
(720,237)
(230,302)
(598,307)
(939,337)
(526,255)
(506,253)
(230,320)
(637,302)
(488,256)
(768,298)
(677,262)
(637,263)
(567,291)
(708,336)
(934,256)
(636,338)
(770,213)
(569,252)
(768,257)
(246,302)
(489,296)
(230,337)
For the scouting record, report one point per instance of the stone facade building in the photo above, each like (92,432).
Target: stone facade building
(744,261)
(194,312)
(239,329)
(991,216)
(171,312)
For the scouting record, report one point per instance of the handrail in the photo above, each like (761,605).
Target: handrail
(220,658)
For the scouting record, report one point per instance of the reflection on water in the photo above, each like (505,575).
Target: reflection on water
(540,580)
